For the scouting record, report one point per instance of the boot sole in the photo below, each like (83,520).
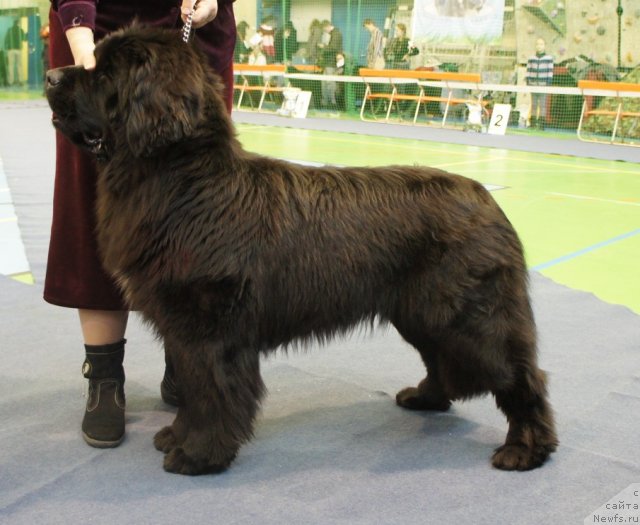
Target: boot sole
(96,443)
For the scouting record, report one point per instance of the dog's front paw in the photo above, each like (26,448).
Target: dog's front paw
(413,399)
(520,457)
(165,440)
(178,462)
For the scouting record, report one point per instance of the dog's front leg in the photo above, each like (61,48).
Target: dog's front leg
(221,388)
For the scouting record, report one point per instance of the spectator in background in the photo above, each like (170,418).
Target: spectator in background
(13,47)
(375,49)
(257,55)
(242,48)
(315,38)
(267,30)
(3,69)
(286,43)
(539,73)
(396,52)
(44,35)
(330,47)
(340,65)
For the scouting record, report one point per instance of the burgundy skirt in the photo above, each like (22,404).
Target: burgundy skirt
(75,277)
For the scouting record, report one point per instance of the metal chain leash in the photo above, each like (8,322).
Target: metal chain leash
(186,29)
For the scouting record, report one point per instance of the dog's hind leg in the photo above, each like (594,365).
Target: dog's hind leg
(489,347)
(221,387)
(531,437)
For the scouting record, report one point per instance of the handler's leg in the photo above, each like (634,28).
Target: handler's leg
(103,332)
(101,327)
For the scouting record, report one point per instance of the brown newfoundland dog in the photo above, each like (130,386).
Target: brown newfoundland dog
(230,255)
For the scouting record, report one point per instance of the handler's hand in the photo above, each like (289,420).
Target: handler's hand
(205,11)
(82,45)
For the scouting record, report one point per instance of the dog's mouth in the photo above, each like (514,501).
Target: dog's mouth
(89,140)
(57,123)
(94,142)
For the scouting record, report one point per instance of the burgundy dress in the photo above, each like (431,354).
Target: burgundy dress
(75,277)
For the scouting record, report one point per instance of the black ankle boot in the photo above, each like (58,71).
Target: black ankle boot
(103,423)
(168,388)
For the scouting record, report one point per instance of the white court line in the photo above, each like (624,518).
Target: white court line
(13,257)
(585,198)
(310,163)
(489,187)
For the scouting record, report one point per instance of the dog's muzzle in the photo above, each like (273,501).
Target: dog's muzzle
(54,78)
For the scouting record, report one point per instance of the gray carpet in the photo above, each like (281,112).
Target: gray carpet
(330,444)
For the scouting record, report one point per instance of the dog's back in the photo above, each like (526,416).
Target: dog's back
(331,247)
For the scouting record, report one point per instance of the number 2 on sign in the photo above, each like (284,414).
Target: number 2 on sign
(499,119)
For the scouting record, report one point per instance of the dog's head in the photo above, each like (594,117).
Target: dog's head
(148,91)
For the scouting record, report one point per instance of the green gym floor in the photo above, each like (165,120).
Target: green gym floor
(579,218)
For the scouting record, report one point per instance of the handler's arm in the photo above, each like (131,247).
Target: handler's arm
(82,46)
(78,20)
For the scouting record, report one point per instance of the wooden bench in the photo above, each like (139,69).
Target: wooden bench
(306,68)
(395,78)
(591,88)
(262,75)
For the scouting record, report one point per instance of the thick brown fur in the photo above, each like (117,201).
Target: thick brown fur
(230,255)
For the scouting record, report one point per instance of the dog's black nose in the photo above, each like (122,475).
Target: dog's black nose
(54,77)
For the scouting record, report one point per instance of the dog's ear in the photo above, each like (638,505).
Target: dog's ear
(163,97)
